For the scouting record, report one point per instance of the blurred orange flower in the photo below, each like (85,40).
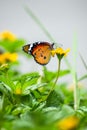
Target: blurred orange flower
(68,123)
(7,35)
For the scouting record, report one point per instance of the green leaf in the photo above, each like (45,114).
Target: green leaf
(17,111)
(4,68)
(48,109)
(55,99)
(33,87)
(64,72)
(21,125)
(6,81)
(49,76)
(41,106)
(29,79)
(4,87)
(84,109)
(66,111)
(6,91)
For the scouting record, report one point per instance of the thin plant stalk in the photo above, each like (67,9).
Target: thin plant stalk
(76,93)
(74,74)
(57,77)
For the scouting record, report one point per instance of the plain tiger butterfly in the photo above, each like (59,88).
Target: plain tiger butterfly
(41,51)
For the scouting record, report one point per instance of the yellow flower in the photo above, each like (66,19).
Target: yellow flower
(18,91)
(68,123)
(60,52)
(7,35)
(8,57)
(2,59)
(11,57)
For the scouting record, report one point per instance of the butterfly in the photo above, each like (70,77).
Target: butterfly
(41,51)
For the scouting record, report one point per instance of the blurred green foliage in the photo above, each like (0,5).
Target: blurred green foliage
(12,46)
(23,105)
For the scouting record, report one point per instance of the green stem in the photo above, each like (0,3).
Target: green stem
(76,93)
(74,74)
(59,61)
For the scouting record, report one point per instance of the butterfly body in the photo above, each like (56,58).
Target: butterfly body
(41,51)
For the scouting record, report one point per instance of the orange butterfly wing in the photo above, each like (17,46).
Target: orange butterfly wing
(26,48)
(42,53)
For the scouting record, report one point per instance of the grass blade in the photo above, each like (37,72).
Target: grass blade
(33,16)
(83,77)
(74,74)
(83,61)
